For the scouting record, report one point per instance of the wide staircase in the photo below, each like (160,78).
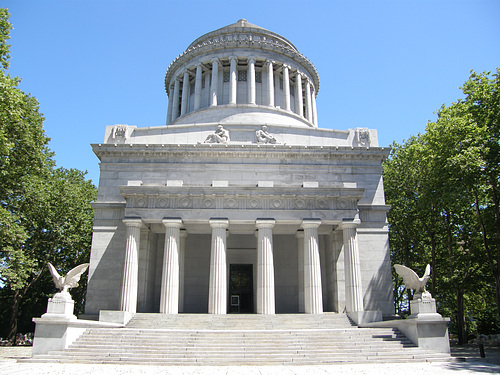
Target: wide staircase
(223,340)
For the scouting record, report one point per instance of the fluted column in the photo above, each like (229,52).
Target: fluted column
(217,294)
(270,84)
(265,267)
(185,93)
(313,298)
(197,87)
(278,98)
(308,101)
(215,82)
(232,80)
(130,279)
(286,88)
(314,109)
(299,106)
(251,80)
(300,253)
(182,256)
(169,295)
(170,102)
(353,284)
(175,103)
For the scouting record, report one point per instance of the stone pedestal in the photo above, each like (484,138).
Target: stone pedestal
(58,333)
(116,317)
(61,306)
(424,308)
(58,328)
(427,329)
(424,327)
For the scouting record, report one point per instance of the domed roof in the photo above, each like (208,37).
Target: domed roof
(249,50)
(241,25)
(241,34)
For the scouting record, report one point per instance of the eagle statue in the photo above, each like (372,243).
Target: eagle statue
(412,281)
(64,283)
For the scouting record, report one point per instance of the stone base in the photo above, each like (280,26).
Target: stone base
(424,309)
(53,334)
(61,306)
(424,327)
(368,316)
(112,316)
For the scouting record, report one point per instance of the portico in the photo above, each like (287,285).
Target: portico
(216,253)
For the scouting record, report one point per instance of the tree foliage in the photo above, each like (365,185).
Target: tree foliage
(45,212)
(443,186)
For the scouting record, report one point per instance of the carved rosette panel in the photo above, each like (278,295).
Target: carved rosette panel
(240,202)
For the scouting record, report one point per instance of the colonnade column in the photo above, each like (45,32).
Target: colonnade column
(270,84)
(197,87)
(308,101)
(299,109)
(353,285)
(215,82)
(314,110)
(130,279)
(313,297)
(169,295)
(286,87)
(251,80)
(278,98)
(217,293)
(265,267)
(182,257)
(300,253)
(232,80)
(175,104)
(170,102)
(185,93)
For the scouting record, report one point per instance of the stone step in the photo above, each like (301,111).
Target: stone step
(200,339)
(243,321)
(224,361)
(259,343)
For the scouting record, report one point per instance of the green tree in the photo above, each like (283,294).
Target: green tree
(45,212)
(482,102)
(443,188)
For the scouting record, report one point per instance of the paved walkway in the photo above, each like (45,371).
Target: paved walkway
(473,365)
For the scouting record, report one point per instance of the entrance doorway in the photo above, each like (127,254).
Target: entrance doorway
(241,289)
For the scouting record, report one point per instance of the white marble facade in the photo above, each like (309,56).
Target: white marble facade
(241,175)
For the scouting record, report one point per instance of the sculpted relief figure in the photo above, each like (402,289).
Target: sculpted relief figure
(263,136)
(119,133)
(363,137)
(221,135)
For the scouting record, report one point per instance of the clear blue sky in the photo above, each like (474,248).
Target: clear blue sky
(386,65)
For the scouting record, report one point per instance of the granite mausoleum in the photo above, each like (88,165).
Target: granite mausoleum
(241,203)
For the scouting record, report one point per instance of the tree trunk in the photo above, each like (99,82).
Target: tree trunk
(497,293)
(14,315)
(16,302)
(462,333)
(433,264)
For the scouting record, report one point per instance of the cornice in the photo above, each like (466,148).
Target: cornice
(247,151)
(244,39)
